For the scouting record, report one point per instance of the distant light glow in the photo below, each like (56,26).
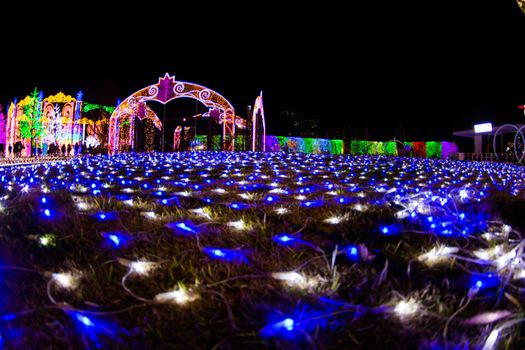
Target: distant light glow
(485,127)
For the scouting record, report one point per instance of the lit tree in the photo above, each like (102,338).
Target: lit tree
(31,124)
(55,123)
(100,116)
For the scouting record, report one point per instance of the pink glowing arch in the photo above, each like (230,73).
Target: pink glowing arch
(164,91)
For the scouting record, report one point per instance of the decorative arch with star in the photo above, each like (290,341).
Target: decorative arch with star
(166,90)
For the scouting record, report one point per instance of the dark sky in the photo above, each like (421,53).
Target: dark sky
(397,70)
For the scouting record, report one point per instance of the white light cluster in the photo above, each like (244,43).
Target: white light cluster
(150,215)
(142,268)
(201,212)
(407,308)
(67,280)
(178,296)
(238,225)
(296,280)
(437,255)
(337,219)
(281,210)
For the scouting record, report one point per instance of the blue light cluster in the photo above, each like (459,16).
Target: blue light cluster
(228,255)
(94,328)
(106,216)
(185,228)
(115,239)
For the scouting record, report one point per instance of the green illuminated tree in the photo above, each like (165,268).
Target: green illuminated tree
(31,124)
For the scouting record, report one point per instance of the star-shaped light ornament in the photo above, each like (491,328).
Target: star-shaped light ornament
(166,85)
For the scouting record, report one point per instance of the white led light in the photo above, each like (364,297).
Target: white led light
(66,280)
(407,308)
(176,296)
(142,267)
(238,225)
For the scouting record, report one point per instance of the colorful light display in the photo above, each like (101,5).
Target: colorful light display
(430,149)
(166,90)
(36,123)
(303,145)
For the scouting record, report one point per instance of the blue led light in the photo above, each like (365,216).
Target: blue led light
(218,253)
(238,206)
(84,320)
(228,255)
(115,239)
(93,329)
(184,228)
(285,239)
(352,253)
(479,283)
(389,230)
(105,216)
(288,324)
(312,204)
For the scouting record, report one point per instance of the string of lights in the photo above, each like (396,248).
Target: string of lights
(282,224)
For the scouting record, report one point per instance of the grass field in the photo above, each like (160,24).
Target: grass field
(254,251)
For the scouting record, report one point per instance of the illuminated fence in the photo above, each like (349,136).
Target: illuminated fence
(429,149)
(276,144)
(303,145)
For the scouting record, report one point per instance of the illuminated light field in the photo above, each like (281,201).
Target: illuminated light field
(250,251)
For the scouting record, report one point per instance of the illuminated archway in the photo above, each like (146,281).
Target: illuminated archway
(164,91)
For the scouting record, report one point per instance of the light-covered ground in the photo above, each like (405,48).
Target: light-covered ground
(246,250)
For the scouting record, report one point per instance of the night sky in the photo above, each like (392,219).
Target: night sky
(414,72)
